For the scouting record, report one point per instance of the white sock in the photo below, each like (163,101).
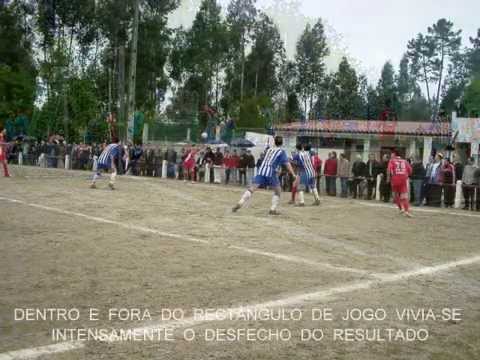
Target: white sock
(95,177)
(275,202)
(301,197)
(112,177)
(315,194)
(245,197)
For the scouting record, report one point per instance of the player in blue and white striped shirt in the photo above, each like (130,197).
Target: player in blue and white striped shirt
(267,175)
(308,175)
(107,160)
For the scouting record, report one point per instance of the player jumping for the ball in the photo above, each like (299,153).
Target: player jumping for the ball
(308,175)
(399,171)
(107,160)
(267,176)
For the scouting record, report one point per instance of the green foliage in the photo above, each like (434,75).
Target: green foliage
(312,50)
(265,60)
(387,89)
(252,114)
(473,55)
(344,97)
(199,52)
(235,64)
(472,98)
(293,110)
(430,55)
(17,68)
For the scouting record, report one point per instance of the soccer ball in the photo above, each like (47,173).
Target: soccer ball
(204,136)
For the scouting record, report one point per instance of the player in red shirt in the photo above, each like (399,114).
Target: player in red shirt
(399,171)
(189,164)
(3,152)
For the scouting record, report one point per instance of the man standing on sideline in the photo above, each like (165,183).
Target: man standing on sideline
(418,178)
(228,166)
(235,164)
(373,169)
(468,180)
(242,168)
(343,174)
(434,195)
(385,189)
(330,172)
(250,166)
(476,176)
(218,166)
(359,172)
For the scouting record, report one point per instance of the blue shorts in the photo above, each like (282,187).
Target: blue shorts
(306,181)
(104,166)
(264,181)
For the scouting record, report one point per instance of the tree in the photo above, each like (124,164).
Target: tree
(430,55)
(406,84)
(17,66)
(344,99)
(474,55)
(241,15)
(312,49)
(387,89)
(265,60)
(198,55)
(472,98)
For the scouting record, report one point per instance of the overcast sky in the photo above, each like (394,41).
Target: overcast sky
(369,31)
(378,30)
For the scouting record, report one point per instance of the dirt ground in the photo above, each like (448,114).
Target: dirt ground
(158,245)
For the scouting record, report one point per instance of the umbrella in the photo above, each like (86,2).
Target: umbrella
(244,143)
(217,143)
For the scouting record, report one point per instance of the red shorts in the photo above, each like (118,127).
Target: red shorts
(2,154)
(399,185)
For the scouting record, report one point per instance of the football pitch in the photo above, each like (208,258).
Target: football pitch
(168,261)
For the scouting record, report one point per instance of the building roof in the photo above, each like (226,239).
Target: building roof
(313,127)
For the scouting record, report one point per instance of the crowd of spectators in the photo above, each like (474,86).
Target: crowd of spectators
(431,185)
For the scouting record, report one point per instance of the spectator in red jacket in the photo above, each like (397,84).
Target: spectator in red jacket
(330,172)
(317,166)
(228,162)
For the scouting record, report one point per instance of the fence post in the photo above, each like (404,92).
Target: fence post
(164,169)
(458,194)
(377,187)
(207,173)
(67,162)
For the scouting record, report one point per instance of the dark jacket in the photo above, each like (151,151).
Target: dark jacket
(218,159)
(476,176)
(418,171)
(359,169)
(250,161)
(373,169)
(243,163)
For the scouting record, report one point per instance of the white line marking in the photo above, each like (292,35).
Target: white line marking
(421,209)
(36,352)
(187,238)
(299,260)
(106,221)
(290,301)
